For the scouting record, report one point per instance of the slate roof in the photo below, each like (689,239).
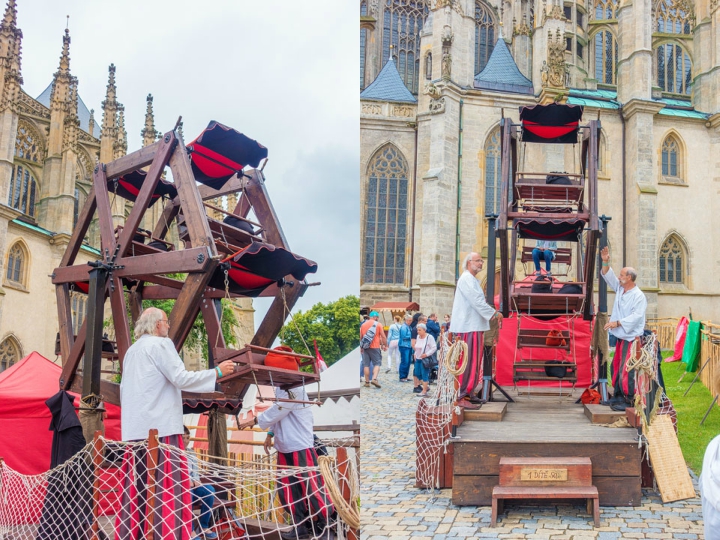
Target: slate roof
(388,86)
(502,74)
(607,99)
(83,111)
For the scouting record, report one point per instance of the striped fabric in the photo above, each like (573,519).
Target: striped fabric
(472,374)
(623,381)
(296,492)
(172,508)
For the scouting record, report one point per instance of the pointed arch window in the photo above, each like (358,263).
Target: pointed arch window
(9,353)
(673,68)
(23,190)
(672,262)
(673,17)
(484,35)
(672,160)
(605,9)
(605,57)
(17,262)
(402,22)
(78,204)
(386,217)
(492,173)
(27,143)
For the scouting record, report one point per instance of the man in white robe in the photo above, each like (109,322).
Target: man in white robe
(627,323)
(471,316)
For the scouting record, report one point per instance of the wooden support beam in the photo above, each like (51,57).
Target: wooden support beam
(258,197)
(209,311)
(152,483)
(104,210)
(275,318)
(118,306)
(186,260)
(189,196)
(132,162)
(165,150)
(187,305)
(72,361)
(233,185)
(80,230)
(169,213)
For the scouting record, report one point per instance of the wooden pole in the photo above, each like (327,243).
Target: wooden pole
(342,464)
(152,460)
(97,457)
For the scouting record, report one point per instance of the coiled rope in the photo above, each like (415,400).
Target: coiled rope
(348,512)
(457,357)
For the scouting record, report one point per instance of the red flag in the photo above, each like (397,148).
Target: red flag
(319,362)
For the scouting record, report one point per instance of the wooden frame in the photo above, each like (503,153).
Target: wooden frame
(140,272)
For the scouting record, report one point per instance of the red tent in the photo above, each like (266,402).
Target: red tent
(26,439)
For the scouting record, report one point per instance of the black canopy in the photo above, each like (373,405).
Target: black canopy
(554,123)
(550,229)
(128,187)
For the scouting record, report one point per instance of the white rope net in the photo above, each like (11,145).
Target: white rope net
(128,491)
(434,414)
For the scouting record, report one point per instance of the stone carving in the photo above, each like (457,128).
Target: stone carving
(373,8)
(451,4)
(556,12)
(446,67)
(369,108)
(437,106)
(432,91)
(27,105)
(554,73)
(403,110)
(523,29)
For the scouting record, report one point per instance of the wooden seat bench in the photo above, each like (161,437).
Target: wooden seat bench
(546,479)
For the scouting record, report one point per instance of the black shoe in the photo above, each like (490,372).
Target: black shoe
(301,532)
(417,389)
(619,406)
(475,400)
(616,399)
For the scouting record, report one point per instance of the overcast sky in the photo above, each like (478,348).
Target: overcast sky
(283,72)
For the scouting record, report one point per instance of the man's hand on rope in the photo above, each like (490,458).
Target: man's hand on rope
(227,367)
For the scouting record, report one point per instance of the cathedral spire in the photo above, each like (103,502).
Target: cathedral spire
(10,52)
(121,142)
(65,56)
(62,80)
(10,17)
(149,134)
(110,106)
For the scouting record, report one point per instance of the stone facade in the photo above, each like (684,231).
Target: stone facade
(49,146)
(658,171)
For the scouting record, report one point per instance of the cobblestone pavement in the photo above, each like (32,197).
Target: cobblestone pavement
(393,508)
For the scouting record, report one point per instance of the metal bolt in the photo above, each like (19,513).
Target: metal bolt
(200,258)
(167,138)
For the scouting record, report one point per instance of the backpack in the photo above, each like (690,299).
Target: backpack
(542,285)
(558,178)
(555,339)
(570,288)
(366,340)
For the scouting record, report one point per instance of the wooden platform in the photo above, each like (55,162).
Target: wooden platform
(542,427)
(602,414)
(493,411)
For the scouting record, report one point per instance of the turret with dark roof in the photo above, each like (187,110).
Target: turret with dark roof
(501,73)
(388,86)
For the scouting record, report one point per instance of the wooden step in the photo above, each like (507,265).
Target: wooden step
(602,414)
(492,411)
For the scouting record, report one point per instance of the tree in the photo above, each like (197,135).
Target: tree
(334,326)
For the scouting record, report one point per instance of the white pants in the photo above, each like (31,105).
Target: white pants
(393,352)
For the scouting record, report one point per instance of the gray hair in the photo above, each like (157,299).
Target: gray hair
(408,316)
(422,325)
(466,260)
(147,322)
(632,273)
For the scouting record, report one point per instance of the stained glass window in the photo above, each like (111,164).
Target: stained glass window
(21,194)
(674,69)
(484,35)
(606,9)
(492,173)
(9,353)
(672,257)
(16,264)
(671,158)
(402,22)
(673,17)
(606,57)
(386,218)
(27,143)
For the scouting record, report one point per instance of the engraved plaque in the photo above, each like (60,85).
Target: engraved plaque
(543,475)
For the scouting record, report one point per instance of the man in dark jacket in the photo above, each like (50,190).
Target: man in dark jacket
(433,326)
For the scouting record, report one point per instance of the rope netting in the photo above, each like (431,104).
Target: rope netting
(434,413)
(122,491)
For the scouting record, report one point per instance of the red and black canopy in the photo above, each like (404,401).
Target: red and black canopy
(550,229)
(259,266)
(220,152)
(554,123)
(128,187)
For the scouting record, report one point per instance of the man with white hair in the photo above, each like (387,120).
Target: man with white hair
(627,323)
(471,316)
(153,378)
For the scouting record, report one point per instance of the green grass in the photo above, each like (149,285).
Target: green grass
(693,437)
(690,409)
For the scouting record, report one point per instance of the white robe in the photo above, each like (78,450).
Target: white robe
(292,423)
(629,308)
(710,489)
(151,389)
(470,313)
